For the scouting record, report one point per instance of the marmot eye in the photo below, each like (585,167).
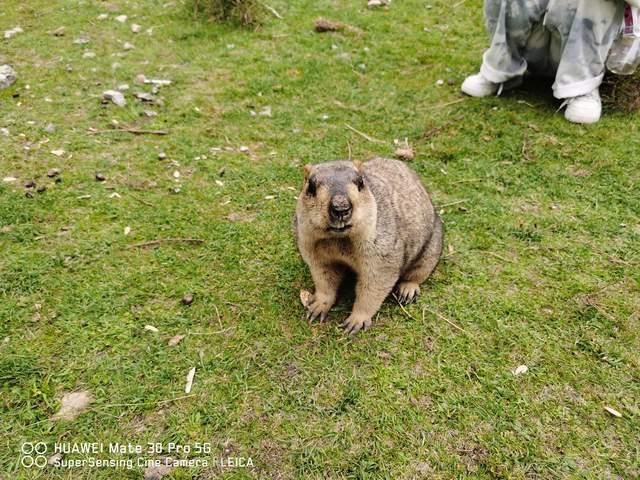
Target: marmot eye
(311,188)
(359,183)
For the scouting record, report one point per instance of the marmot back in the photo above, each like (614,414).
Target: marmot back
(376,219)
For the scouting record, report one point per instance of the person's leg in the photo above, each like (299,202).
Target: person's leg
(509,23)
(583,32)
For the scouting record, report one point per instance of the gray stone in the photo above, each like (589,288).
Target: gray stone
(7,76)
(115,96)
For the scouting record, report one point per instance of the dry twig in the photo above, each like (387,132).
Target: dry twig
(363,135)
(442,317)
(133,130)
(153,243)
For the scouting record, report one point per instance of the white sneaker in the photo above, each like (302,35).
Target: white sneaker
(584,108)
(478,86)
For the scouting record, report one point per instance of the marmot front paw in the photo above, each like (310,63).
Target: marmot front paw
(318,307)
(355,323)
(406,292)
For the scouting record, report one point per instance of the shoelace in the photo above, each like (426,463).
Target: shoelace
(566,102)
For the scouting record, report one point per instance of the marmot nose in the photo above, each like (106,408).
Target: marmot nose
(340,207)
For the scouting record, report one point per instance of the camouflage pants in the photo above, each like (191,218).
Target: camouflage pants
(568,39)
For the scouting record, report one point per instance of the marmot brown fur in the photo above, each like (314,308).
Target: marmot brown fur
(375,219)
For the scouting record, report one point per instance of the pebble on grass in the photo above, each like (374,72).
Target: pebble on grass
(187,299)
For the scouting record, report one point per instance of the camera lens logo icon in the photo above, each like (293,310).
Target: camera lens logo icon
(33,454)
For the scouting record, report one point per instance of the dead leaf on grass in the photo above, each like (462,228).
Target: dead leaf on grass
(73,404)
(520,370)
(156,472)
(405,153)
(175,340)
(323,25)
(613,412)
(190,375)
(305,297)
(241,217)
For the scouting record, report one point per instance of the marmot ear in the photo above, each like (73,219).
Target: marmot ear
(307,170)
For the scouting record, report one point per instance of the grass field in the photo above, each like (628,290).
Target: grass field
(541,266)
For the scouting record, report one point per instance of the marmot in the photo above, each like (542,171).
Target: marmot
(375,219)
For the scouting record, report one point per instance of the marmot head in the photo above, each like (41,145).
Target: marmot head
(336,200)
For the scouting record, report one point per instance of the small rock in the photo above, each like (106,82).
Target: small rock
(80,41)
(58,32)
(135,28)
(54,172)
(88,55)
(100,177)
(54,459)
(151,328)
(4,132)
(378,3)
(140,79)
(187,299)
(145,97)
(9,179)
(162,156)
(8,76)
(127,230)
(41,189)
(244,149)
(103,16)
(128,46)
(114,96)
(58,152)
(50,128)
(28,194)
(10,33)
(121,18)
(29,184)
(440,82)
(150,113)
(123,87)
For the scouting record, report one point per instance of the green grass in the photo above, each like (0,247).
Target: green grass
(542,262)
